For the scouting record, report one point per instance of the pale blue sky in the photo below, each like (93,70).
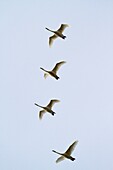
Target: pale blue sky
(85,88)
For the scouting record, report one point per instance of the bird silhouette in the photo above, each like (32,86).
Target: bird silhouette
(47,108)
(57,33)
(53,72)
(66,154)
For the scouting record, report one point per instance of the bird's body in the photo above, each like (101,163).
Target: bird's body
(64,155)
(47,108)
(57,33)
(53,72)
(67,154)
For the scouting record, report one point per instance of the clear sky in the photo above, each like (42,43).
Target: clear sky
(85,88)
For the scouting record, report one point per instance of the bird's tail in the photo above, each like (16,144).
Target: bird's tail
(64,37)
(53,113)
(72,159)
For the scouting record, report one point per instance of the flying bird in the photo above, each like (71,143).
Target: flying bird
(53,72)
(47,108)
(67,154)
(57,33)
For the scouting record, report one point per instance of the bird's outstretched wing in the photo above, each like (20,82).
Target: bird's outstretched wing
(61,158)
(62,27)
(57,66)
(52,102)
(51,39)
(71,148)
(46,75)
(41,113)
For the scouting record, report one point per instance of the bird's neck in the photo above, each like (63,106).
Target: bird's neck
(43,69)
(38,105)
(57,152)
(49,30)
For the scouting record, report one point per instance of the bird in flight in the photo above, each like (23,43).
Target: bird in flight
(66,154)
(53,72)
(47,108)
(57,33)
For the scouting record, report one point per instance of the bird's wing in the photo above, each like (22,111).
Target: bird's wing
(51,39)
(45,75)
(62,27)
(71,148)
(52,102)
(61,158)
(41,113)
(57,66)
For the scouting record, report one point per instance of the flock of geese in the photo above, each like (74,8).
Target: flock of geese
(48,108)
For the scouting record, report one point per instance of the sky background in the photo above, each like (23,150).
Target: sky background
(85,87)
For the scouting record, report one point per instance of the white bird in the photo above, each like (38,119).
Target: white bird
(67,154)
(53,72)
(57,33)
(47,108)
